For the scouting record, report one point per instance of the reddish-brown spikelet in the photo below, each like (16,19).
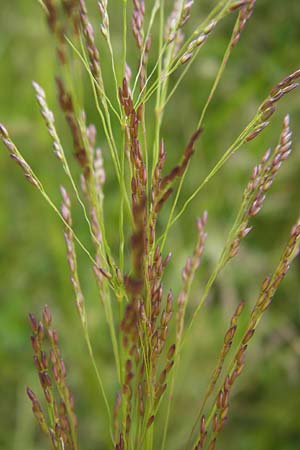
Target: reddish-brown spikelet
(138,21)
(120,445)
(178,170)
(71,8)
(260,182)
(51,14)
(178,18)
(59,28)
(71,253)
(268,107)
(246,9)
(238,5)
(93,53)
(258,129)
(150,421)
(163,200)
(270,284)
(17,157)
(226,346)
(212,445)
(198,42)
(66,104)
(156,192)
(104,27)
(143,69)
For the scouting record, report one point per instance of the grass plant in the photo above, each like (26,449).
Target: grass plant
(149,325)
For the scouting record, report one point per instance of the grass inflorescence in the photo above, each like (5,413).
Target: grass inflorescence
(147,322)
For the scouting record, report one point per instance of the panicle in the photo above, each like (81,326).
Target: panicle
(18,158)
(188,274)
(245,12)
(268,107)
(104,27)
(51,371)
(261,180)
(198,42)
(138,21)
(93,53)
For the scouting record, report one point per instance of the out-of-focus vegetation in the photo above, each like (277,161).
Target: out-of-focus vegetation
(265,408)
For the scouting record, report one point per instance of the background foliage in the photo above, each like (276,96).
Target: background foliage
(33,269)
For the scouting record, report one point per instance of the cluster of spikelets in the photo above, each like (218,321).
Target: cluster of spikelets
(52,374)
(145,345)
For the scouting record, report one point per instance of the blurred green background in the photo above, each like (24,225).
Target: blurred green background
(33,270)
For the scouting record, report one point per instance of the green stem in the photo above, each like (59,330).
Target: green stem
(100,382)
(124,35)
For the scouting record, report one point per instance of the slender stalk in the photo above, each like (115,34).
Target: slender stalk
(124,36)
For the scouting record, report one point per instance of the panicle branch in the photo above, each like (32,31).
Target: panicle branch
(93,53)
(67,107)
(18,158)
(139,242)
(61,425)
(220,408)
(71,255)
(138,16)
(245,12)
(188,274)
(268,107)
(260,182)
(179,16)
